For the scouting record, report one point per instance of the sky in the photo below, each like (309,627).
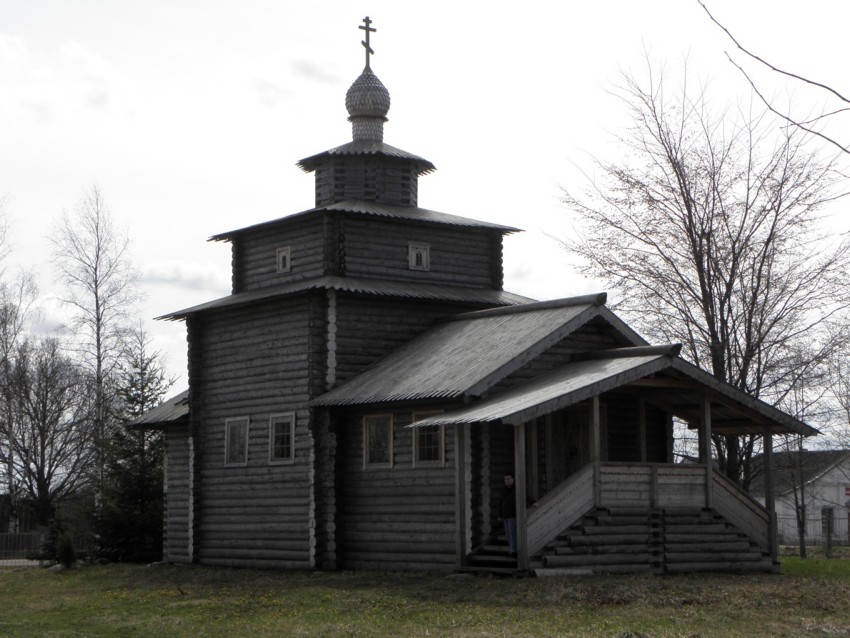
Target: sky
(190,115)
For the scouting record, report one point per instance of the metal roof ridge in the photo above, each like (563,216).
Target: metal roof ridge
(596,299)
(667,350)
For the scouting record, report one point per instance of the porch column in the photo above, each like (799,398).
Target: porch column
(705,448)
(596,450)
(461,442)
(769,494)
(520,489)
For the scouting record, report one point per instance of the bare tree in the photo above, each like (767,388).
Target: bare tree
(47,424)
(810,125)
(91,258)
(17,307)
(708,228)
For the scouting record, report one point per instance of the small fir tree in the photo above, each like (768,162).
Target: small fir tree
(130,514)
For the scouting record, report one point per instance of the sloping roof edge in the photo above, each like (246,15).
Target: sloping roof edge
(545,394)
(171,411)
(541,396)
(373,209)
(411,290)
(757,405)
(366,147)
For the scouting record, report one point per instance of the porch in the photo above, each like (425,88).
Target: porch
(626,518)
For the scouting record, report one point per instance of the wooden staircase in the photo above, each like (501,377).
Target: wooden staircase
(654,541)
(622,541)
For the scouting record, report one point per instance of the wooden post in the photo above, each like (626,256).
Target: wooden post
(770,494)
(520,491)
(596,452)
(705,449)
(642,428)
(461,435)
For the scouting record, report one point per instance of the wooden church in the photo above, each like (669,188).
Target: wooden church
(357,400)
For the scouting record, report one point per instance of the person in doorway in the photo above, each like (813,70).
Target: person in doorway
(507,513)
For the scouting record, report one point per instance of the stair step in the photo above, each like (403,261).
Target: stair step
(598,559)
(737,545)
(610,539)
(764,565)
(709,528)
(703,538)
(583,550)
(711,557)
(622,529)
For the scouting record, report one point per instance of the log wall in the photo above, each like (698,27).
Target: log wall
(254,365)
(396,518)
(177,517)
(459,256)
(382,180)
(254,260)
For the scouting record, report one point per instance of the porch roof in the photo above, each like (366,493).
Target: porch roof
(467,354)
(169,412)
(666,379)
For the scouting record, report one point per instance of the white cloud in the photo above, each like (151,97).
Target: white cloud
(312,71)
(268,92)
(206,277)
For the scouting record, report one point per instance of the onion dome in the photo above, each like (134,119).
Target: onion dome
(368,103)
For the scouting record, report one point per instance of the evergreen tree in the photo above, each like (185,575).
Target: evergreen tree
(129,519)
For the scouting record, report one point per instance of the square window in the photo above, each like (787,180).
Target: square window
(284,262)
(419,256)
(378,440)
(429,442)
(236,441)
(282,438)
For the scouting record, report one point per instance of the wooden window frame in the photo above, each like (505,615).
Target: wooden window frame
(287,251)
(367,463)
(229,426)
(441,462)
(275,419)
(416,249)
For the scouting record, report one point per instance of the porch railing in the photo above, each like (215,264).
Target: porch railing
(737,507)
(643,486)
(559,508)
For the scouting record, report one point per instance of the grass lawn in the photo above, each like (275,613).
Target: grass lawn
(810,598)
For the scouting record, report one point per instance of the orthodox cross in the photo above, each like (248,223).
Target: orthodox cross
(368,29)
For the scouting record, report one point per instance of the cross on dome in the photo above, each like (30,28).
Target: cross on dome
(367,27)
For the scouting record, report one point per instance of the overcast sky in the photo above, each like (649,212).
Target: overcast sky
(190,115)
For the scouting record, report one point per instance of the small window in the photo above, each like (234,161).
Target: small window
(236,441)
(282,438)
(378,440)
(429,442)
(284,263)
(419,256)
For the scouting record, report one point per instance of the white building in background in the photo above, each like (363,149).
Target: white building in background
(821,480)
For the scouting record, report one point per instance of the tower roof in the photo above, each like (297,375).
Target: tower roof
(368,102)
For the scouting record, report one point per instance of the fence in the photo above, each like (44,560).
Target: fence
(816,531)
(15,549)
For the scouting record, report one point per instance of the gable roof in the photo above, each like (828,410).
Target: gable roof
(411,290)
(792,466)
(169,412)
(602,371)
(467,354)
(374,209)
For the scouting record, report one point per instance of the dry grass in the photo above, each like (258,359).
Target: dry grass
(809,598)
